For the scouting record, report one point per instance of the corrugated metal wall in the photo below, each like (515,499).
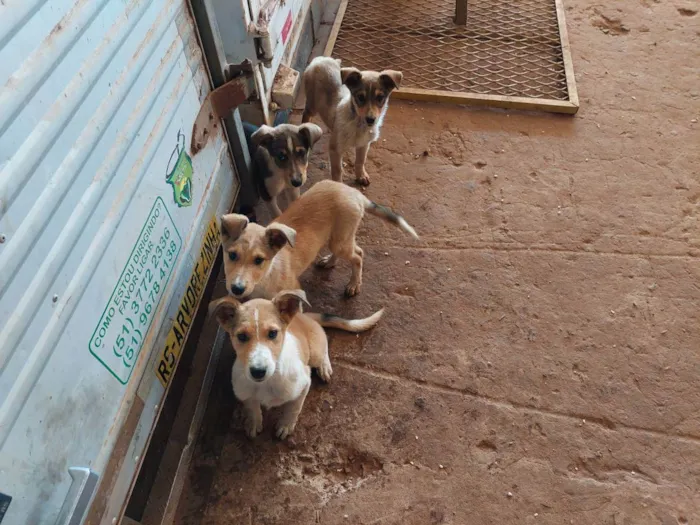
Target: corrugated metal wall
(103,214)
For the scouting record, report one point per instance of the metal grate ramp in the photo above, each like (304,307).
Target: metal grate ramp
(510,53)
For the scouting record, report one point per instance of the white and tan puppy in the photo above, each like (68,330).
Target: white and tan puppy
(276,348)
(260,261)
(352,103)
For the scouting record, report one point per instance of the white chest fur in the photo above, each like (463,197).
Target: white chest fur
(290,379)
(351,132)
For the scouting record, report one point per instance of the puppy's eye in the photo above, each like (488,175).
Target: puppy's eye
(282,156)
(301,154)
(380,99)
(233,256)
(258,261)
(242,337)
(272,334)
(361,99)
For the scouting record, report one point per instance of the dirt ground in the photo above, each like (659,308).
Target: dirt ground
(539,359)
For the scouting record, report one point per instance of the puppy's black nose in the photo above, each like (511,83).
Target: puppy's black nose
(258,373)
(237,289)
(370,120)
(296,182)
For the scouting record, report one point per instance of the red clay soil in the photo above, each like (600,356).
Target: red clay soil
(539,360)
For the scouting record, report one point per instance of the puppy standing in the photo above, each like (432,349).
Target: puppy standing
(280,158)
(352,103)
(260,262)
(276,347)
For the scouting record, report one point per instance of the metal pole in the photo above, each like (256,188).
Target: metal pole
(461,12)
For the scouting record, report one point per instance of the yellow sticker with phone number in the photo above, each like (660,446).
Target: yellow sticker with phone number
(166,365)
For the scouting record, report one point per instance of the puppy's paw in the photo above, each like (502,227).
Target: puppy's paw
(327,261)
(253,426)
(363,180)
(284,429)
(352,289)
(325,371)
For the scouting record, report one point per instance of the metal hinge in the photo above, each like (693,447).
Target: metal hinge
(263,47)
(219,104)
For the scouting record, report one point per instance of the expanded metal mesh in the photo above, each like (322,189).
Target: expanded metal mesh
(508,47)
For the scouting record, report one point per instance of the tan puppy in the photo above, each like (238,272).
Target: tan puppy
(275,351)
(352,103)
(260,262)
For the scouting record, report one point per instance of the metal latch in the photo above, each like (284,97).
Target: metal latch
(82,487)
(219,104)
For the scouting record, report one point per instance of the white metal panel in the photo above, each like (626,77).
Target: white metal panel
(98,99)
(280,18)
(237,24)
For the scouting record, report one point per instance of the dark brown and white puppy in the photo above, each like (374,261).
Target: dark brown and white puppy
(280,158)
(352,103)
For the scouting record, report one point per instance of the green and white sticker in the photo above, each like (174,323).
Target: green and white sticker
(180,175)
(119,335)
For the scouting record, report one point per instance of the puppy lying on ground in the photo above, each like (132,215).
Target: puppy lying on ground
(260,262)
(276,347)
(280,158)
(352,103)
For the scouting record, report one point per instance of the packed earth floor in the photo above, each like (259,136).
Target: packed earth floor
(539,359)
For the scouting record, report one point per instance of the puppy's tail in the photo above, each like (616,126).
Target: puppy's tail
(389,215)
(349,325)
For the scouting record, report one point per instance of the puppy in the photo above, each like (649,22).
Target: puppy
(260,262)
(352,103)
(280,158)
(276,347)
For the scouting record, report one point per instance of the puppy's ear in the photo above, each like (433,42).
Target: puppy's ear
(351,77)
(289,303)
(225,310)
(310,134)
(278,235)
(391,79)
(232,226)
(262,137)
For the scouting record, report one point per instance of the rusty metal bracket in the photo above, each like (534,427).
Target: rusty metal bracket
(219,104)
